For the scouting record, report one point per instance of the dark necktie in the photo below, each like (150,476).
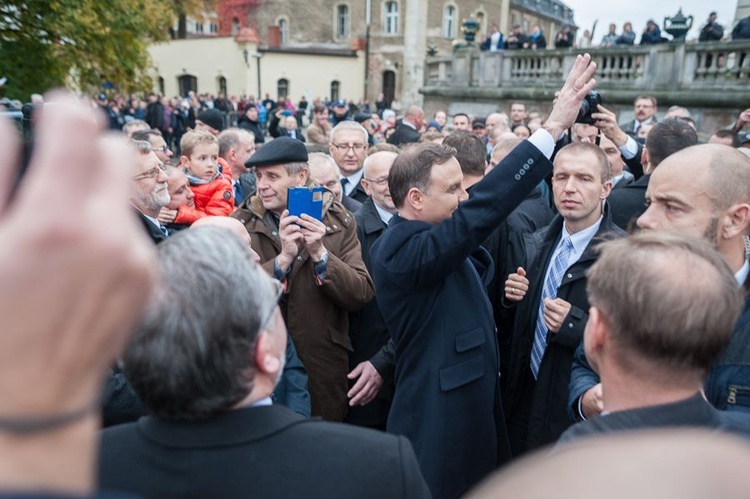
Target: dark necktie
(239,194)
(344,183)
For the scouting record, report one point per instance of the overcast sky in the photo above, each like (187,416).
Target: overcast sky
(639,11)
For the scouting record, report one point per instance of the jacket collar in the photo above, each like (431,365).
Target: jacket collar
(554,229)
(371,221)
(231,428)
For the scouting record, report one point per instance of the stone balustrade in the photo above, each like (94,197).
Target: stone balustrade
(706,74)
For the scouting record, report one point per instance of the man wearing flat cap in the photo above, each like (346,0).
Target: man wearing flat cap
(319,263)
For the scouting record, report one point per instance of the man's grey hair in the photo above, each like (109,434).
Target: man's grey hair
(321,157)
(230,139)
(191,356)
(350,125)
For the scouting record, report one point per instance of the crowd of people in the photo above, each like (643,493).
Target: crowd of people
(565,38)
(455,294)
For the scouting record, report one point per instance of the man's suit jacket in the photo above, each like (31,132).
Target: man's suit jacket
(368,330)
(152,230)
(257,452)
(692,412)
(404,134)
(351,204)
(358,194)
(430,283)
(629,127)
(542,406)
(628,203)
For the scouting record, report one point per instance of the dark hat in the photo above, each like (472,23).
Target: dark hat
(435,125)
(361,117)
(339,103)
(478,123)
(278,152)
(212,118)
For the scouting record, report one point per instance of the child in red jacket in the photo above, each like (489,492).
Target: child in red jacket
(212,188)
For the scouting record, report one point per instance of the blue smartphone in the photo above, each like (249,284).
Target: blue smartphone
(305,200)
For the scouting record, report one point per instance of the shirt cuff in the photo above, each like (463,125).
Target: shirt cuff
(279,274)
(630,149)
(321,267)
(544,141)
(580,409)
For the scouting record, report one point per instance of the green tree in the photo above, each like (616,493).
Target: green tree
(47,43)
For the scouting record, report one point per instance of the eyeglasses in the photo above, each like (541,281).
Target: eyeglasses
(380,181)
(163,149)
(357,148)
(153,172)
(279,289)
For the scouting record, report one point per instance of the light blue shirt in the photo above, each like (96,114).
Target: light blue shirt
(580,240)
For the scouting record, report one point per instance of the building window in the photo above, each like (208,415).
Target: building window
(161,86)
(282,88)
(222,86)
(450,14)
(198,27)
(213,28)
(342,21)
(335,85)
(186,83)
(390,24)
(283,25)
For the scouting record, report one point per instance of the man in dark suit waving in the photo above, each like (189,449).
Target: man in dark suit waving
(431,277)
(204,360)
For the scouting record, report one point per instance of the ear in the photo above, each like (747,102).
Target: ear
(735,221)
(266,361)
(184,160)
(646,161)
(303,175)
(415,199)
(595,336)
(606,189)
(366,186)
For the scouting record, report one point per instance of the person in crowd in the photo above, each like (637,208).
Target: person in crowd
(340,112)
(63,331)
(441,118)
(461,121)
(211,121)
(536,39)
(250,121)
(521,131)
(289,128)
(236,145)
(712,31)
(371,368)
(741,30)
(585,41)
(149,192)
(199,436)
(652,34)
(652,368)
(726,137)
(665,139)
(180,195)
(548,287)
(516,39)
(610,39)
(324,171)
(409,129)
(319,131)
(212,188)
(479,128)
(433,298)
(518,114)
(701,191)
(565,38)
(644,109)
(348,148)
(319,263)
(494,41)
(158,144)
(131,127)
(628,35)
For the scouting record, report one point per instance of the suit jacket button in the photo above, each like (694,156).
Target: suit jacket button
(570,276)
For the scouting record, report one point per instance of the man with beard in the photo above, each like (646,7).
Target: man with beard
(149,192)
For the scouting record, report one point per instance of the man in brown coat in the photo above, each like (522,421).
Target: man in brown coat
(319,263)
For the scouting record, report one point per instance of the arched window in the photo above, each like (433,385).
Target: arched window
(235,26)
(283,25)
(389,86)
(161,85)
(335,85)
(199,27)
(450,15)
(342,21)
(390,21)
(282,88)
(186,83)
(222,85)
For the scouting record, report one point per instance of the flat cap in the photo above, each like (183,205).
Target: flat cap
(277,152)
(212,118)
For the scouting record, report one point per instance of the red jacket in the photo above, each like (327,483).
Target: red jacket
(215,198)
